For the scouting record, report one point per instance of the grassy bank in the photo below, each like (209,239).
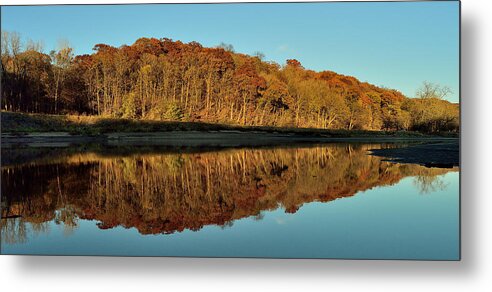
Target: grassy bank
(21,123)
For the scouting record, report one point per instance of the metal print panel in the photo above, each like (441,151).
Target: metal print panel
(269,130)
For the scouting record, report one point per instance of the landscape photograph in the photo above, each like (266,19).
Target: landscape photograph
(318,130)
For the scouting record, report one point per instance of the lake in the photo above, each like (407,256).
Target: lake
(310,201)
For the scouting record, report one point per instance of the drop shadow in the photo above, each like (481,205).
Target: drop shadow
(177,267)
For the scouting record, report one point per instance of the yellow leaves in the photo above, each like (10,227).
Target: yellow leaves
(145,70)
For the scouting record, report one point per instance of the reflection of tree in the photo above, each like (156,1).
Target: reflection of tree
(166,193)
(13,230)
(68,216)
(259,217)
(226,225)
(427,183)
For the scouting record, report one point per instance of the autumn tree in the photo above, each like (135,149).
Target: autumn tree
(248,84)
(61,60)
(432,90)
(162,79)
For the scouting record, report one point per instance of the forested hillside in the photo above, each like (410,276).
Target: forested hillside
(162,79)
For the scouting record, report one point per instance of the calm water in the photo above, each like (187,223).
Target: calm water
(332,201)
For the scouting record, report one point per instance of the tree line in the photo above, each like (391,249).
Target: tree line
(162,79)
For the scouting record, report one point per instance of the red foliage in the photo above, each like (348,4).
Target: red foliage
(294,63)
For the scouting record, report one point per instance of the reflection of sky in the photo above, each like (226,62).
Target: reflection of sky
(385,222)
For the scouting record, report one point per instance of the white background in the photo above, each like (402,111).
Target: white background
(473,273)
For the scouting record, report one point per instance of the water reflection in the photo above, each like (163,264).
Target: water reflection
(170,192)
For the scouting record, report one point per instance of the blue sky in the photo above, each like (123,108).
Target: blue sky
(392,44)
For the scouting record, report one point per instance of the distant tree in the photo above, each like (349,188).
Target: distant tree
(294,63)
(432,90)
(13,43)
(259,55)
(228,47)
(37,46)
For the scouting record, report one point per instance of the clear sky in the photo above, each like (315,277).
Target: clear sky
(392,44)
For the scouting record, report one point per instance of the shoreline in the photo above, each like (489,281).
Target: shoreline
(429,151)
(441,155)
(220,138)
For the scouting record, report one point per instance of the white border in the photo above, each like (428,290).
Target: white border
(473,273)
